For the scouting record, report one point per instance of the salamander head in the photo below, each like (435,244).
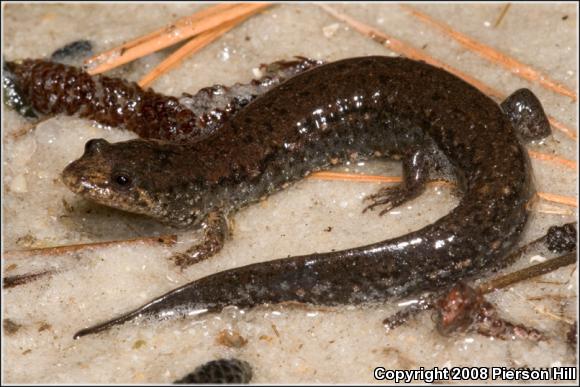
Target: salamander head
(137,176)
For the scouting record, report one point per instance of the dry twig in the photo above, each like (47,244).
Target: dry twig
(504,11)
(58,250)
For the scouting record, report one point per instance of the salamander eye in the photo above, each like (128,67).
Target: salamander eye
(122,180)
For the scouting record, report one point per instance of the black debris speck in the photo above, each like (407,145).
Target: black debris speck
(561,239)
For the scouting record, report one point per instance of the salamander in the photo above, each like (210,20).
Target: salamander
(356,108)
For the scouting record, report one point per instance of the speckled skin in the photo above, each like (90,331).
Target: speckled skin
(354,108)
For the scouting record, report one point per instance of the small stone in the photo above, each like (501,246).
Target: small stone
(330,30)
(266,338)
(19,184)
(231,339)
(257,72)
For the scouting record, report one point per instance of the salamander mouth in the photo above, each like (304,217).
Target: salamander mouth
(86,187)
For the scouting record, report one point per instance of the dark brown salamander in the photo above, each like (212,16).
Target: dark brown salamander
(359,107)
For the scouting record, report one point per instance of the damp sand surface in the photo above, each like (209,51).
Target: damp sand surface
(284,343)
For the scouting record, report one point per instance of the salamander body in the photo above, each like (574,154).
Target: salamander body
(354,108)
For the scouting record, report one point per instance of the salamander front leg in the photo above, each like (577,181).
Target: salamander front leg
(215,232)
(415,174)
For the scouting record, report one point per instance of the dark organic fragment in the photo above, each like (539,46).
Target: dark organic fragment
(222,371)
(462,307)
(563,238)
(73,51)
(54,88)
(13,97)
(572,336)
(465,308)
(10,327)
(21,279)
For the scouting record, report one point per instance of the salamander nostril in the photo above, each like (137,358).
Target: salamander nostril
(95,145)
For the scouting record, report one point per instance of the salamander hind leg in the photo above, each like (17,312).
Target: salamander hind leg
(415,174)
(527,115)
(215,232)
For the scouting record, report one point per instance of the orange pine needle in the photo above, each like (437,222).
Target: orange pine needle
(200,22)
(355,177)
(342,176)
(195,44)
(111,54)
(553,159)
(562,128)
(409,51)
(571,201)
(518,68)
